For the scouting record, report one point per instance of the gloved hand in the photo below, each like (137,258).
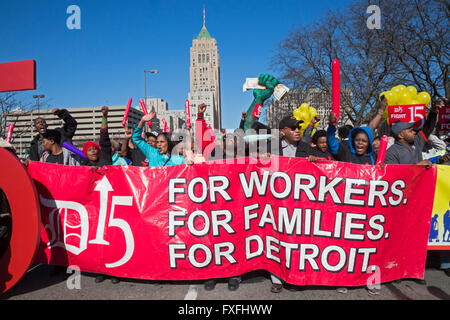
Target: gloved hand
(270,83)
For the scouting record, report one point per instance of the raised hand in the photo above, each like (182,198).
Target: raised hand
(270,83)
(260,95)
(332,119)
(383,105)
(442,101)
(105,110)
(201,108)
(128,133)
(315,120)
(147,118)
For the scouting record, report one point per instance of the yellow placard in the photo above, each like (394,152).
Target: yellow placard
(439,238)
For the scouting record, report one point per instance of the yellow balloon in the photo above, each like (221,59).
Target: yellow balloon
(414,101)
(307,118)
(303,127)
(312,112)
(297,114)
(393,100)
(396,92)
(404,98)
(304,107)
(389,97)
(401,87)
(412,91)
(302,115)
(386,113)
(424,98)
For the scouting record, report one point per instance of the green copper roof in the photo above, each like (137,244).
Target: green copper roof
(204,34)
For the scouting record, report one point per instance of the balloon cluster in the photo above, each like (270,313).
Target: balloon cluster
(305,113)
(403,95)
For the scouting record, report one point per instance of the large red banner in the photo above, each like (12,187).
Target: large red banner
(326,223)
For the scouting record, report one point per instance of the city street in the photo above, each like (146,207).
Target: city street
(40,283)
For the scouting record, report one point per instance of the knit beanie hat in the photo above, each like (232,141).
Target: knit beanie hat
(90,144)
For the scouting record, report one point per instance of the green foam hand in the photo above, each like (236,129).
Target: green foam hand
(260,95)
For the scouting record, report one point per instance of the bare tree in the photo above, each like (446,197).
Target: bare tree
(369,62)
(417,35)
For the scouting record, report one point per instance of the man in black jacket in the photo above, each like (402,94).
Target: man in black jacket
(67,131)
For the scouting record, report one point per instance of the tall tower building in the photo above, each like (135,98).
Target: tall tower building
(205,77)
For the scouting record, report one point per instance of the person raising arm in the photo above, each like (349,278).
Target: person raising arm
(161,156)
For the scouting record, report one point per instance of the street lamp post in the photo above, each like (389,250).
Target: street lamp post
(145,81)
(38,96)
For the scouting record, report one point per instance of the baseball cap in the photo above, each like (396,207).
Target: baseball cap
(289,121)
(399,126)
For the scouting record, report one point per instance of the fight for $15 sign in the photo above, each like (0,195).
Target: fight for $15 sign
(408,113)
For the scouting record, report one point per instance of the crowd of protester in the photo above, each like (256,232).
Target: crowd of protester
(359,145)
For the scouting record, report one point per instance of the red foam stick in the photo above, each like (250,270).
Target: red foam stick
(382,152)
(336,88)
(166,128)
(127,111)
(144,107)
(10,131)
(188,114)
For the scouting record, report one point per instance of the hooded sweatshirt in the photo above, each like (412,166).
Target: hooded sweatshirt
(346,152)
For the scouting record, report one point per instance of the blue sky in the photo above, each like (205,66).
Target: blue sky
(104,62)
